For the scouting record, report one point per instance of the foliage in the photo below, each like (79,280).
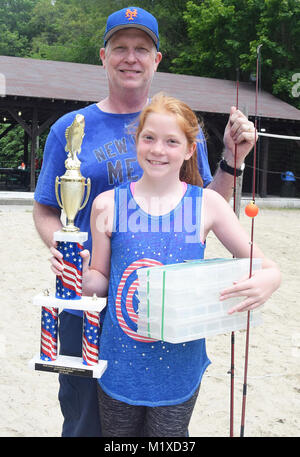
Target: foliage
(204,38)
(67,31)
(199,37)
(15,34)
(224,35)
(278,30)
(12,149)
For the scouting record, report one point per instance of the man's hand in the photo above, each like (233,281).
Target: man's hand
(241,132)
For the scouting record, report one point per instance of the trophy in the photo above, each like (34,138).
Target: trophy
(71,198)
(72,183)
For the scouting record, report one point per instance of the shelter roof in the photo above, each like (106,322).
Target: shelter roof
(66,81)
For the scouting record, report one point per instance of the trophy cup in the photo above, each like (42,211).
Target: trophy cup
(68,286)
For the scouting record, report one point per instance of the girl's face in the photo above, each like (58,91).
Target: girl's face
(162,146)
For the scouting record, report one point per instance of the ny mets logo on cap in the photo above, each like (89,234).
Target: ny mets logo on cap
(131,14)
(134,17)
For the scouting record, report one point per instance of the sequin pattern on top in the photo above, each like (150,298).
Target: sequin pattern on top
(141,370)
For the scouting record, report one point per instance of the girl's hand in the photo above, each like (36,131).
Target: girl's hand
(256,290)
(85,255)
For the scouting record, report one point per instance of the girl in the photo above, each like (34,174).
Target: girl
(150,387)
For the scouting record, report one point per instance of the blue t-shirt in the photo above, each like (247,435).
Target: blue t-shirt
(143,371)
(108,158)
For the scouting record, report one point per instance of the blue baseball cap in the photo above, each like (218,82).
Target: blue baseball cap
(132,17)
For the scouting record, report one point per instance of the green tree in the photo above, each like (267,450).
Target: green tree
(15,33)
(224,35)
(11,147)
(172,28)
(70,30)
(278,30)
(219,31)
(204,38)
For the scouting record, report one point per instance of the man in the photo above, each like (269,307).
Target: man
(130,57)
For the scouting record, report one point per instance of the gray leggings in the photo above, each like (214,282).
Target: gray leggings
(121,419)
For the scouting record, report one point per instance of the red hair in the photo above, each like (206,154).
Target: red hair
(188,123)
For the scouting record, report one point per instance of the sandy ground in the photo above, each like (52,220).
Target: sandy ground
(29,405)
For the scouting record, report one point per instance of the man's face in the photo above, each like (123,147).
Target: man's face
(130,60)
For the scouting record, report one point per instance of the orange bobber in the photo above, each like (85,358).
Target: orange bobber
(251,209)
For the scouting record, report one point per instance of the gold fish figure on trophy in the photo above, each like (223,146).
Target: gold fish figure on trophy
(74,136)
(72,184)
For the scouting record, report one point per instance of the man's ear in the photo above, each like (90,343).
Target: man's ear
(158,59)
(102,56)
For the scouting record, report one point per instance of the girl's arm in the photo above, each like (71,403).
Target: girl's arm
(95,277)
(220,218)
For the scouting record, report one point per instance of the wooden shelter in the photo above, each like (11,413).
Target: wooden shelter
(34,93)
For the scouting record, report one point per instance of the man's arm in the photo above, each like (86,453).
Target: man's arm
(47,221)
(222,183)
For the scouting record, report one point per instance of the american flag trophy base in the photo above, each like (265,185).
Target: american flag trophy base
(68,293)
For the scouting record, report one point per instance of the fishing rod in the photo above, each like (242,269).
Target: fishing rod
(232,364)
(251,211)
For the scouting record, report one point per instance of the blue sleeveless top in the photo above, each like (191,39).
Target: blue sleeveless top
(143,371)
